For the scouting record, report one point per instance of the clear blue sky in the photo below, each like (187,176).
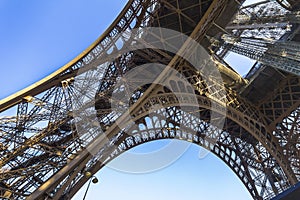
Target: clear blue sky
(38,37)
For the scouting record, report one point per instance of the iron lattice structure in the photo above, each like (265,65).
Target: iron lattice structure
(44,157)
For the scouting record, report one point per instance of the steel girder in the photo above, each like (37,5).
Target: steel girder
(41,144)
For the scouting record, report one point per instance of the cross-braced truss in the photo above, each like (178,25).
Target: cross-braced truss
(46,147)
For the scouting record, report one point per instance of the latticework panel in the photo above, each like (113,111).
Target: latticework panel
(47,146)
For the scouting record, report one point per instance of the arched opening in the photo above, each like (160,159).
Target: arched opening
(187,178)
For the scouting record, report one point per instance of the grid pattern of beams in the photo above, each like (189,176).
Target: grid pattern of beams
(260,138)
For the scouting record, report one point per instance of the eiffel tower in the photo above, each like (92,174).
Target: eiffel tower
(49,152)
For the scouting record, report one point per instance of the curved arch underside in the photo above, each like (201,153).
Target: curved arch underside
(258,139)
(245,155)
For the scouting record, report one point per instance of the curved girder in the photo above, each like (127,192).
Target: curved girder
(53,108)
(235,129)
(135,14)
(224,153)
(230,145)
(245,124)
(251,125)
(129,18)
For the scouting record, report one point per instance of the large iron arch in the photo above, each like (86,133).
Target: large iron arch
(244,121)
(231,147)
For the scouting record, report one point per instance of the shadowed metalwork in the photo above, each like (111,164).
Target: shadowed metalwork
(44,157)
